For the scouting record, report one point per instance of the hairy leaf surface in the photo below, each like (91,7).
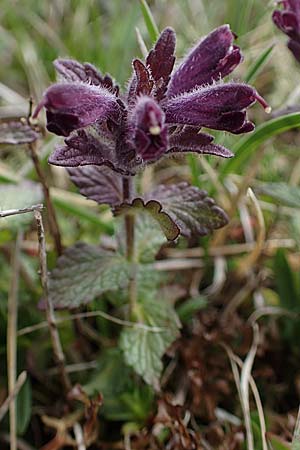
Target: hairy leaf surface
(97,183)
(83,272)
(179,209)
(143,348)
(15,133)
(161,60)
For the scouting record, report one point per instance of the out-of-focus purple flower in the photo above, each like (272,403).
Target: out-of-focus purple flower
(162,113)
(288,20)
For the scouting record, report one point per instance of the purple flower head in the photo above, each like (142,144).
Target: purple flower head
(161,114)
(148,128)
(288,20)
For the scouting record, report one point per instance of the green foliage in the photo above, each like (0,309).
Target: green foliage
(258,64)
(285,281)
(143,348)
(104,34)
(154,208)
(178,209)
(282,193)
(249,144)
(84,272)
(124,399)
(278,444)
(148,238)
(149,21)
(24,407)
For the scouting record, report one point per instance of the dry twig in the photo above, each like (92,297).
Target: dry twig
(56,344)
(12,318)
(19,383)
(53,225)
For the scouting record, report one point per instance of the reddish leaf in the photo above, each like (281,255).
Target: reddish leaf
(161,61)
(98,183)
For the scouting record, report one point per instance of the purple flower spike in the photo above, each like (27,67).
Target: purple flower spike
(71,106)
(161,114)
(288,21)
(220,107)
(213,58)
(150,134)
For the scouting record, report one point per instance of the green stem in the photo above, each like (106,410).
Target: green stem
(130,247)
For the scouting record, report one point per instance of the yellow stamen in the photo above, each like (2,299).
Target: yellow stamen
(155,130)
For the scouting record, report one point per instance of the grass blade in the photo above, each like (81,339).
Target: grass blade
(258,64)
(248,145)
(71,203)
(296,437)
(149,21)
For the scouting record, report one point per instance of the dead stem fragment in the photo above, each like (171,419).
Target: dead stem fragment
(56,344)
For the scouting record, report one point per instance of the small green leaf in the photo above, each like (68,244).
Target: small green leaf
(281,192)
(190,307)
(258,64)
(16,197)
(143,348)
(83,272)
(24,405)
(249,144)
(149,21)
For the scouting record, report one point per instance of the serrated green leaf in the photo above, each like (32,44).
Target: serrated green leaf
(143,348)
(147,282)
(148,238)
(283,193)
(24,406)
(16,197)
(83,272)
(249,144)
(193,212)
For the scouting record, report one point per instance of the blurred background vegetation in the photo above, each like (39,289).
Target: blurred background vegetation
(104,33)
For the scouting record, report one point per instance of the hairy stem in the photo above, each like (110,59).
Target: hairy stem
(130,250)
(52,220)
